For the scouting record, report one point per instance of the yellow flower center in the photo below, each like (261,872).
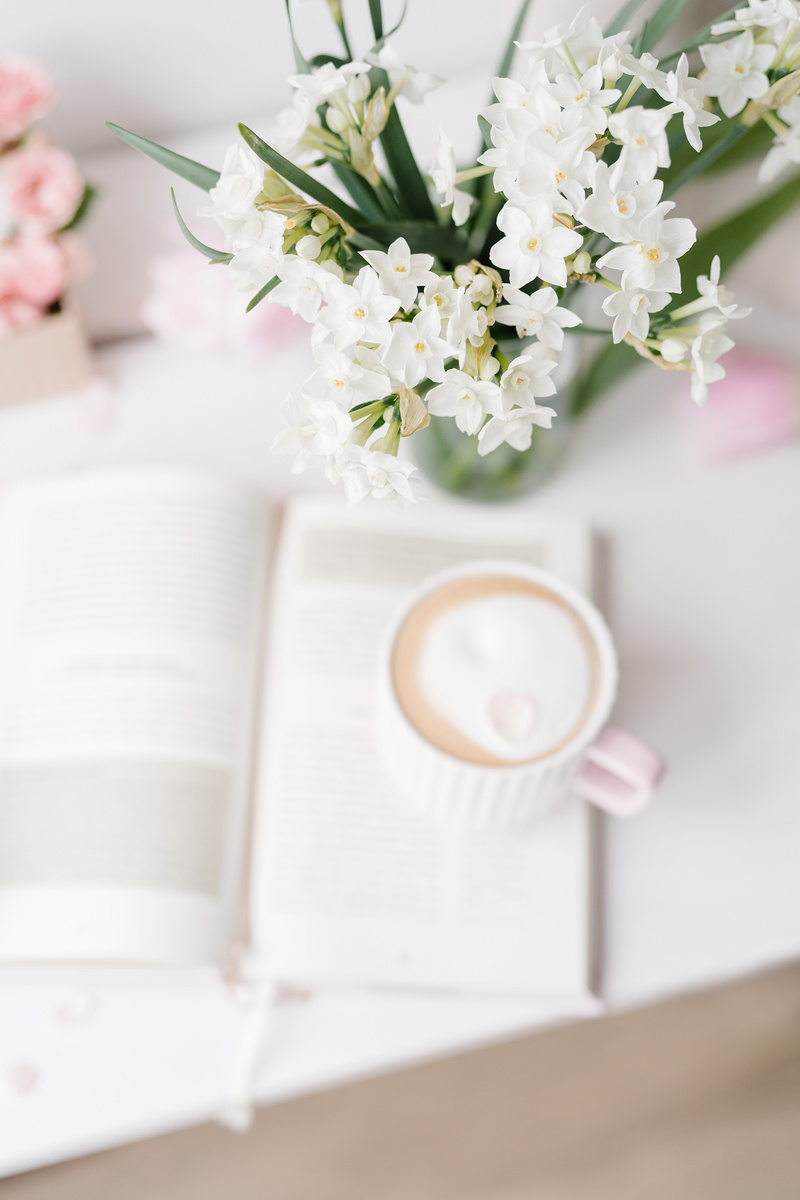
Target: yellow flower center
(438,300)
(640,303)
(532,244)
(560,176)
(466,396)
(289,223)
(338,383)
(739,69)
(401,268)
(640,140)
(653,255)
(622,206)
(420,346)
(577,98)
(520,380)
(359,312)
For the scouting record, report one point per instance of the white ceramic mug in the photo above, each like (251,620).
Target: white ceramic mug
(605,765)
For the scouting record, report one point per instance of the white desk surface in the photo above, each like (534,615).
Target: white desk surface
(702,590)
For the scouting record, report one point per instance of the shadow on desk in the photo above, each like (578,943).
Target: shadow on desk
(694,1099)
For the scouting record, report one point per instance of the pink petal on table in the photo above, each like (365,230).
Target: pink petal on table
(513,715)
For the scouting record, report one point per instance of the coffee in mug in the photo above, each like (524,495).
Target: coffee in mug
(497,680)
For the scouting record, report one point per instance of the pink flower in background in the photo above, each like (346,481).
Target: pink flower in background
(26,94)
(16,313)
(43,186)
(197,307)
(39,269)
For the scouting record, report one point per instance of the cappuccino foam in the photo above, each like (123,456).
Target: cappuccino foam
(496,670)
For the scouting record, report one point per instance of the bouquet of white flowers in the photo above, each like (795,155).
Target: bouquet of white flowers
(416,284)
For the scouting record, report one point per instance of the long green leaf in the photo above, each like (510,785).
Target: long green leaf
(216,256)
(516,30)
(196,173)
(707,157)
(661,21)
(300,60)
(699,39)
(87,199)
(622,18)
(300,178)
(362,192)
(376,16)
(266,289)
(738,233)
(405,171)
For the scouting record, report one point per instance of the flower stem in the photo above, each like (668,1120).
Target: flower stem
(472,173)
(630,92)
(776,125)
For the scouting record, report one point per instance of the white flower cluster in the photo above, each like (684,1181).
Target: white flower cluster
(396,337)
(767,39)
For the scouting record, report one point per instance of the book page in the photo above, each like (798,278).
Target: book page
(351,882)
(130,606)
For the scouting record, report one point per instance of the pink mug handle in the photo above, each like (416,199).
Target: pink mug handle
(618,773)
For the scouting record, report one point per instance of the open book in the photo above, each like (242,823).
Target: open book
(186,750)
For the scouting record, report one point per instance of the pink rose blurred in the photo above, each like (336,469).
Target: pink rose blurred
(26,94)
(38,269)
(43,186)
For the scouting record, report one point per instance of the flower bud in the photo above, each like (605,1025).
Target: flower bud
(582,263)
(320,223)
(463,275)
(335,119)
(358,88)
(672,350)
(309,246)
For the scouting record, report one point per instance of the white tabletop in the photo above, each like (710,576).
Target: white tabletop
(702,588)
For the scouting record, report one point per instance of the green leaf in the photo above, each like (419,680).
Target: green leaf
(362,192)
(660,23)
(423,237)
(486,132)
(266,289)
(196,173)
(516,30)
(81,211)
(301,62)
(622,19)
(300,178)
(733,237)
(376,16)
(699,39)
(216,256)
(403,165)
(712,152)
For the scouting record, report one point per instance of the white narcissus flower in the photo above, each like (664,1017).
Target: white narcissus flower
(631,311)
(736,71)
(686,96)
(716,294)
(365,472)
(644,68)
(405,80)
(527,378)
(525,106)
(642,132)
(258,228)
(345,381)
(443,175)
(303,287)
(315,430)
(291,124)
(560,35)
(416,350)
(707,347)
(358,312)
(467,326)
(465,398)
(401,273)
(535,246)
(442,292)
(556,171)
(584,100)
(240,181)
(537,315)
(652,262)
(514,427)
(786,148)
(766,13)
(254,266)
(328,79)
(615,206)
